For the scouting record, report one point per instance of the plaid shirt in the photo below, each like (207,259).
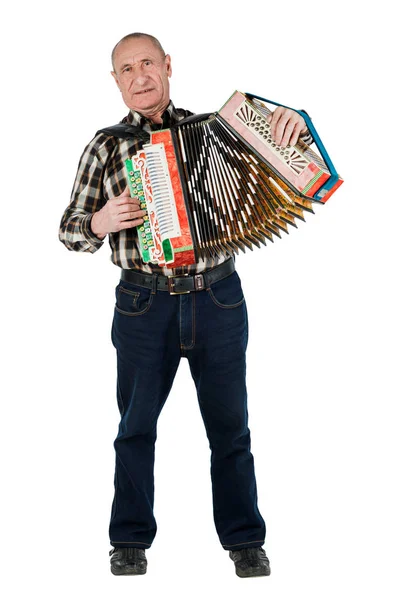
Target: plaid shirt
(101,176)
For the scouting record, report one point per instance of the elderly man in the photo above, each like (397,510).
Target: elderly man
(152,329)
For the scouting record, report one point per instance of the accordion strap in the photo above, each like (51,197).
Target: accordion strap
(126,131)
(192,119)
(316,138)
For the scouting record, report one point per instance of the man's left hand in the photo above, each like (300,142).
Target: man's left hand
(286,126)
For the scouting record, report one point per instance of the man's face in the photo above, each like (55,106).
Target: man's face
(142,75)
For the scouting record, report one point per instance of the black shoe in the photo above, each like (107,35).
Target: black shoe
(250,562)
(128,561)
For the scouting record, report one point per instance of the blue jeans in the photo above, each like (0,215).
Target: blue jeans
(152,331)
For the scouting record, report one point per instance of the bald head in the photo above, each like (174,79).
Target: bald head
(137,35)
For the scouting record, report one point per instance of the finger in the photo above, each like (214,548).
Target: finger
(130,204)
(127,201)
(132,214)
(128,224)
(295,134)
(125,193)
(274,118)
(280,128)
(288,131)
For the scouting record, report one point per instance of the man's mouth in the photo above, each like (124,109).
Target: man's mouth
(143,91)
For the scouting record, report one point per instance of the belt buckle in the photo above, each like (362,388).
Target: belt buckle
(171,285)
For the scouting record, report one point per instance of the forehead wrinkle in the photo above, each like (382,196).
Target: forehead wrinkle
(147,51)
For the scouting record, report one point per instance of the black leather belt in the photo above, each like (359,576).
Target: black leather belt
(179,284)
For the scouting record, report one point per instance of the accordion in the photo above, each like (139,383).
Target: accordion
(218,183)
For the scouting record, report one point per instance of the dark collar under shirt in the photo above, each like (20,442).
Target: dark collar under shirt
(169,117)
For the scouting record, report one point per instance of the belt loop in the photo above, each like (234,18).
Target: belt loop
(199,282)
(154,283)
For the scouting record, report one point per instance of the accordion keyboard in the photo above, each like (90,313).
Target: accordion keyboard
(163,196)
(146,238)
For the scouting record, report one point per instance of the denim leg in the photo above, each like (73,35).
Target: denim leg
(218,366)
(145,335)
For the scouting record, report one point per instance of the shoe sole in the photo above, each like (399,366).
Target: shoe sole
(130,572)
(253,572)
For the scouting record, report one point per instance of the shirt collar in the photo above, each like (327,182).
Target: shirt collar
(169,117)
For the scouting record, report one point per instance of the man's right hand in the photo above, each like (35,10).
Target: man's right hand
(120,212)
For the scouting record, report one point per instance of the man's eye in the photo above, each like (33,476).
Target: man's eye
(126,69)
(147,63)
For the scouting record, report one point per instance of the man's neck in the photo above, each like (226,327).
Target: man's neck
(157,116)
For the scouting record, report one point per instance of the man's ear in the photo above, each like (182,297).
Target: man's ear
(113,73)
(168,64)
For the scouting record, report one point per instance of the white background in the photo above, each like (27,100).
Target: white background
(323,305)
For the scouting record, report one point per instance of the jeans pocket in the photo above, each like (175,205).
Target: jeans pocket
(227,292)
(132,300)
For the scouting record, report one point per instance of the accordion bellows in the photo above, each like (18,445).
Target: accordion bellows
(222,185)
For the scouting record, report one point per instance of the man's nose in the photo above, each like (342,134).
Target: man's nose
(139,77)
